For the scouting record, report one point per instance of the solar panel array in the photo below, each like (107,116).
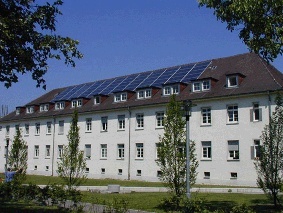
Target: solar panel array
(157,78)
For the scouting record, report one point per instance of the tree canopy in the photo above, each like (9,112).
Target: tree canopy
(28,40)
(260,23)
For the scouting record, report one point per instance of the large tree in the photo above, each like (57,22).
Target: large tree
(28,40)
(172,152)
(260,23)
(270,164)
(72,165)
(18,156)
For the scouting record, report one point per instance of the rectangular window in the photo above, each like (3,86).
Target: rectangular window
(256,113)
(117,98)
(206,175)
(206,150)
(144,94)
(102,170)
(206,116)
(104,123)
(88,151)
(60,151)
(86,170)
(255,150)
(37,129)
(205,85)
(36,151)
(121,122)
(139,150)
(141,94)
(232,112)
(123,96)
(121,151)
(88,125)
(26,129)
(167,90)
(96,100)
(147,93)
(103,150)
(234,175)
(175,89)
(8,130)
(30,109)
(139,172)
(232,81)
(160,119)
(48,128)
(140,121)
(61,128)
(120,171)
(233,148)
(47,151)
(196,86)
(157,145)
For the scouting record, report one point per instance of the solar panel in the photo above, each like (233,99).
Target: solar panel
(195,72)
(79,90)
(182,71)
(102,86)
(87,93)
(113,85)
(164,77)
(125,83)
(64,94)
(151,78)
(133,85)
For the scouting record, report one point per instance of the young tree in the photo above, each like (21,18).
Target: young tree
(172,152)
(28,40)
(270,164)
(72,165)
(260,23)
(18,155)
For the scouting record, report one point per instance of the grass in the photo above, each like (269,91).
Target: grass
(150,201)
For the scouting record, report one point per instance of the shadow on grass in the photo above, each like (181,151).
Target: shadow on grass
(16,207)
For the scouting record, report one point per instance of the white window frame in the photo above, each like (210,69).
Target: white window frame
(77,103)
(205,116)
(103,151)
(48,127)
(96,100)
(104,124)
(88,151)
(206,153)
(30,109)
(160,119)
(121,122)
(44,107)
(61,127)
(256,113)
(139,121)
(36,151)
(37,129)
(18,111)
(196,87)
(47,151)
(120,97)
(175,89)
(233,113)
(60,151)
(60,105)
(232,81)
(88,124)
(233,150)
(167,90)
(146,93)
(26,129)
(139,151)
(141,94)
(120,151)
(206,85)
(256,149)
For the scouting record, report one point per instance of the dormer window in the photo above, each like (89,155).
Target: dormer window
(232,81)
(77,103)
(60,105)
(169,90)
(146,93)
(44,107)
(120,97)
(18,111)
(96,100)
(201,86)
(30,109)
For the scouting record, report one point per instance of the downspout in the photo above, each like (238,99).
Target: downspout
(269,106)
(129,145)
(53,146)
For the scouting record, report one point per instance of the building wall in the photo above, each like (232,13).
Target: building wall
(219,133)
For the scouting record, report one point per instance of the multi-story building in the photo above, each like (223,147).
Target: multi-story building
(121,120)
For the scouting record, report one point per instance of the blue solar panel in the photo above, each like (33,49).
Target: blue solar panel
(195,72)
(87,93)
(177,76)
(101,87)
(165,76)
(79,90)
(125,83)
(133,85)
(64,94)
(151,78)
(113,85)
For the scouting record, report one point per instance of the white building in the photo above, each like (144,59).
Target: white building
(121,120)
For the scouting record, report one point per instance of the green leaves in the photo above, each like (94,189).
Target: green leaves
(260,23)
(28,40)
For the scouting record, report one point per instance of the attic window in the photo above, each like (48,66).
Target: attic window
(232,81)
(169,90)
(146,93)
(60,105)
(77,103)
(96,100)
(120,97)
(201,86)
(44,107)
(18,111)
(30,109)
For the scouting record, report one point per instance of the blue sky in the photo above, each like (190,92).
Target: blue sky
(130,36)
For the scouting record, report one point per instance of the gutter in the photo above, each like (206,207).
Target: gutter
(53,147)
(269,106)
(129,144)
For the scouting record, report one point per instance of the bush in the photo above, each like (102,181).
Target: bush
(242,208)
(194,205)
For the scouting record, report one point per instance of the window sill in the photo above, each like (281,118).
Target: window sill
(233,159)
(233,178)
(88,131)
(206,159)
(35,157)
(139,159)
(61,133)
(159,127)
(103,158)
(47,157)
(120,158)
(48,133)
(120,130)
(138,129)
(205,125)
(88,158)
(232,123)
(256,121)
(206,178)
(103,131)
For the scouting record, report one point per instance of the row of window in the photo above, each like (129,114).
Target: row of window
(88,124)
